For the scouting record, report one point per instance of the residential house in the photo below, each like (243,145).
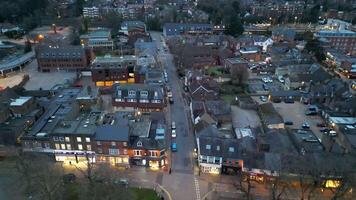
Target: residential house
(216,152)
(203,89)
(251,53)
(148,152)
(283,34)
(138,96)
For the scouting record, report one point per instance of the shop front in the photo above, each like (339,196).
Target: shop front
(210,168)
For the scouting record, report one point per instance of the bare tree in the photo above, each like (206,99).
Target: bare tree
(244,184)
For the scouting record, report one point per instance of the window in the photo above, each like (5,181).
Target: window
(61,139)
(57,146)
(131,100)
(125,151)
(139,144)
(125,144)
(87,139)
(79,139)
(217,160)
(113,151)
(80,147)
(144,94)
(231,149)
(69,147)
(218,148)
(208,146)
(144,101)
(153,154)
(63,146)
(89,147)
(67,139)
(98,143)
(100,150)
(137,152)
(46,145)
(55,138)
(132,93)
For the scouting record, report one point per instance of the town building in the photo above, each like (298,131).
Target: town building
(99,40)
(138,96)
(342,40)
(67,58)
(173,29)
(91,12)
(108,70)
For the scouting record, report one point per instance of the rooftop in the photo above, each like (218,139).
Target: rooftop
(112,133)
(20,101)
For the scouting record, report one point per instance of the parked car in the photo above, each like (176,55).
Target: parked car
(263,98)
(121,181)
(288,123)
(289,100)
(173,125)
(265,79)
(305,125)
(321,124)
(332,133)
(69,178)
(171,100)
(277,100)
(174,147)
(325,130)
(311,113)
(265,87)
(174,134)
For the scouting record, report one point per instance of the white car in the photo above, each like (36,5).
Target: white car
(174,134)
(173,125)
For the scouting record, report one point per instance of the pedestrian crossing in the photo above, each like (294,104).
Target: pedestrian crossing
(197,188)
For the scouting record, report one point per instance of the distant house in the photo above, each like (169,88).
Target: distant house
(203,89)
(173,29)
(270,117)
(251,53)
(214,112)
(283,34)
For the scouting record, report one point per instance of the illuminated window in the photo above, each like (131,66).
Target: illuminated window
(113,151)
(67,139)
(63,146)
(98,143)
(125,151)
(79,139)
(69,147)
(125,144)
(89,147)
(87,139)
(208,146)
(57,146)
(80,147)
(217,148)
(113,144)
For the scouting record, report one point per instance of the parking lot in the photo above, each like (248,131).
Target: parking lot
(295,112)
(38,79)
(256,86)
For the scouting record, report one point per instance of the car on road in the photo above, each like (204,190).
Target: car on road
(281,79)
(174,147)
(173,125)
(171,100)
(263,98)
(305,125)
(332,133)
(325,130)
(174,133)
(169,94)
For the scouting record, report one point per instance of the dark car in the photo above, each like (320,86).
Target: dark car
(265,87)
(311,113)
(288,100)
(277,100)
(321,124)
(325,130)
(288,123)
(69,178)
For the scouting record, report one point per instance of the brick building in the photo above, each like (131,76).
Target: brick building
(69,58)
(108,70)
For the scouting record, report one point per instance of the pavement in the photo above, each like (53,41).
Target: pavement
(38,80)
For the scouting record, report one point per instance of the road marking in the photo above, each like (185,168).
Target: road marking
(197,189)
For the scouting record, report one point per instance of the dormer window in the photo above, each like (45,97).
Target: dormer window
(144,94)
(217,148)
(119,93)
(208,147)
(139,144)
(132,93)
